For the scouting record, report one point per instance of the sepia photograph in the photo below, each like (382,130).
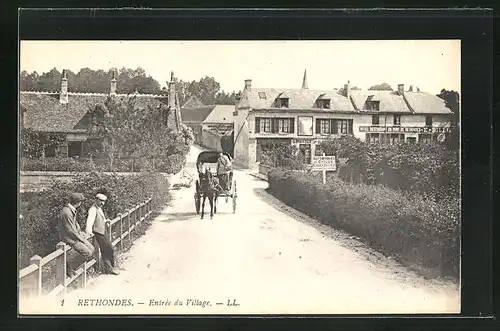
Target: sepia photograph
(239,177)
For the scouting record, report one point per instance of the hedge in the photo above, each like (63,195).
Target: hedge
(416,231)
(82,164)
(37,232)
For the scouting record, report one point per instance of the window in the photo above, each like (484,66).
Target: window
(411,140)
(281,103)
(305,124)
(397,138)
(75,148)
(323,103)
(50,151)
(397,119)
(372,105)
(262,95)
(285,125)
(265,125)
(274,125)
(375,120)
(428,120)
(372,138)
(425,138)
(305,149)
(334,126)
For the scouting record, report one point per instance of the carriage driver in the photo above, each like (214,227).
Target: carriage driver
(223,170)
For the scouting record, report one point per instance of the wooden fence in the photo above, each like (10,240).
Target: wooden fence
(118,230)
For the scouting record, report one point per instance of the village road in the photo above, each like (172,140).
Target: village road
(264,259)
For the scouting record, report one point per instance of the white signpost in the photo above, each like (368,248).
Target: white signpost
(324,164)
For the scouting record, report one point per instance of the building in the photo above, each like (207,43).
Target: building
(193,117)
(220,119)
(304,117)
(67,113)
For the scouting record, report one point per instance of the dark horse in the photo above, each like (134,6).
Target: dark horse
(210,189)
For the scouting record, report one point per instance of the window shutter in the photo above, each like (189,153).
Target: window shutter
(292,125)
(318,126)
(257,125)
(334,127)
(350,129)
(274,125)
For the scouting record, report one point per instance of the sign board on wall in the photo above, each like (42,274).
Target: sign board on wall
(324,163)
(403,129)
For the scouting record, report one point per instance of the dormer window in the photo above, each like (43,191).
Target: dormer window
(262,95)
(372,105)
(323,103)
(281,103)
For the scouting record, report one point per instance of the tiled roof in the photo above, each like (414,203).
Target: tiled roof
(44,112)
(425,103)
(298,98)
(196,114)
(390,101)
(220,114)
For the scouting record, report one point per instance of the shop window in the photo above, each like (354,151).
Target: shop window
(411,140)
(397,138)
(425,138)
(373,138)
(375,120)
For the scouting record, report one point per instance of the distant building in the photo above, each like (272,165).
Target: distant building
(67,113)
(304,117)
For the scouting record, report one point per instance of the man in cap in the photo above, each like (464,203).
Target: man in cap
(70,231)
(96,222)
(223,170)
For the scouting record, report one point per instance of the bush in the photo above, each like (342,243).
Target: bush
(415,230)
(37,232)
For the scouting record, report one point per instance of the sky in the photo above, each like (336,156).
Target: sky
(430,65)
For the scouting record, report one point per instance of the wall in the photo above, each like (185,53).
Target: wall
(241,137)
(211,140)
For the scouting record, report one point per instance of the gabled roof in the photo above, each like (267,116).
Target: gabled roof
(193,102)
(196,114)
(390,101)
(425,103)
(44,112)
(220,114)
(298,98)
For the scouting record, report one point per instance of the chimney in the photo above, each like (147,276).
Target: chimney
(63,97)
(248,84)
(410,89)
(112,88)
(401,89)
(304,81)
(347,88)
(171,92)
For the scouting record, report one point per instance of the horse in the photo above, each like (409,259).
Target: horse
(210,189)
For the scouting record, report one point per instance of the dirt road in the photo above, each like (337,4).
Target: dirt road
(264,259)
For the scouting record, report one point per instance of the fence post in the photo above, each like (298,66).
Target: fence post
(61,264)
(121,230)
(128,221)
(109,233)
(139,214)
(37,281)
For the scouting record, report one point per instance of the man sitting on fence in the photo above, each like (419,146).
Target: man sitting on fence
(96,222)
(70,231)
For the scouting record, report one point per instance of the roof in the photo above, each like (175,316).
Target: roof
(45,113)
(210,156)
(298,98)
(425,103)
(196,114)
(220,114)
(390,101)
(193,102)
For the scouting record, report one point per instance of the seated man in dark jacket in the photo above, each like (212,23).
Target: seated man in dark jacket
(70,231)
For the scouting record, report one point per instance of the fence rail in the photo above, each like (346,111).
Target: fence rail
(31,277)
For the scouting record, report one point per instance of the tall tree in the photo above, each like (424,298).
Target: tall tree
(381,87)
(223,98)
(452,101)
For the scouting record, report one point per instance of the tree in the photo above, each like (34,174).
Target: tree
(452,101)
(381,87)
(223,98)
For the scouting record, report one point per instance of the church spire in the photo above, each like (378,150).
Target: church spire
(304,80)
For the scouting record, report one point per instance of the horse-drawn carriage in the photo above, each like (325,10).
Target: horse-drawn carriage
(210,185)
